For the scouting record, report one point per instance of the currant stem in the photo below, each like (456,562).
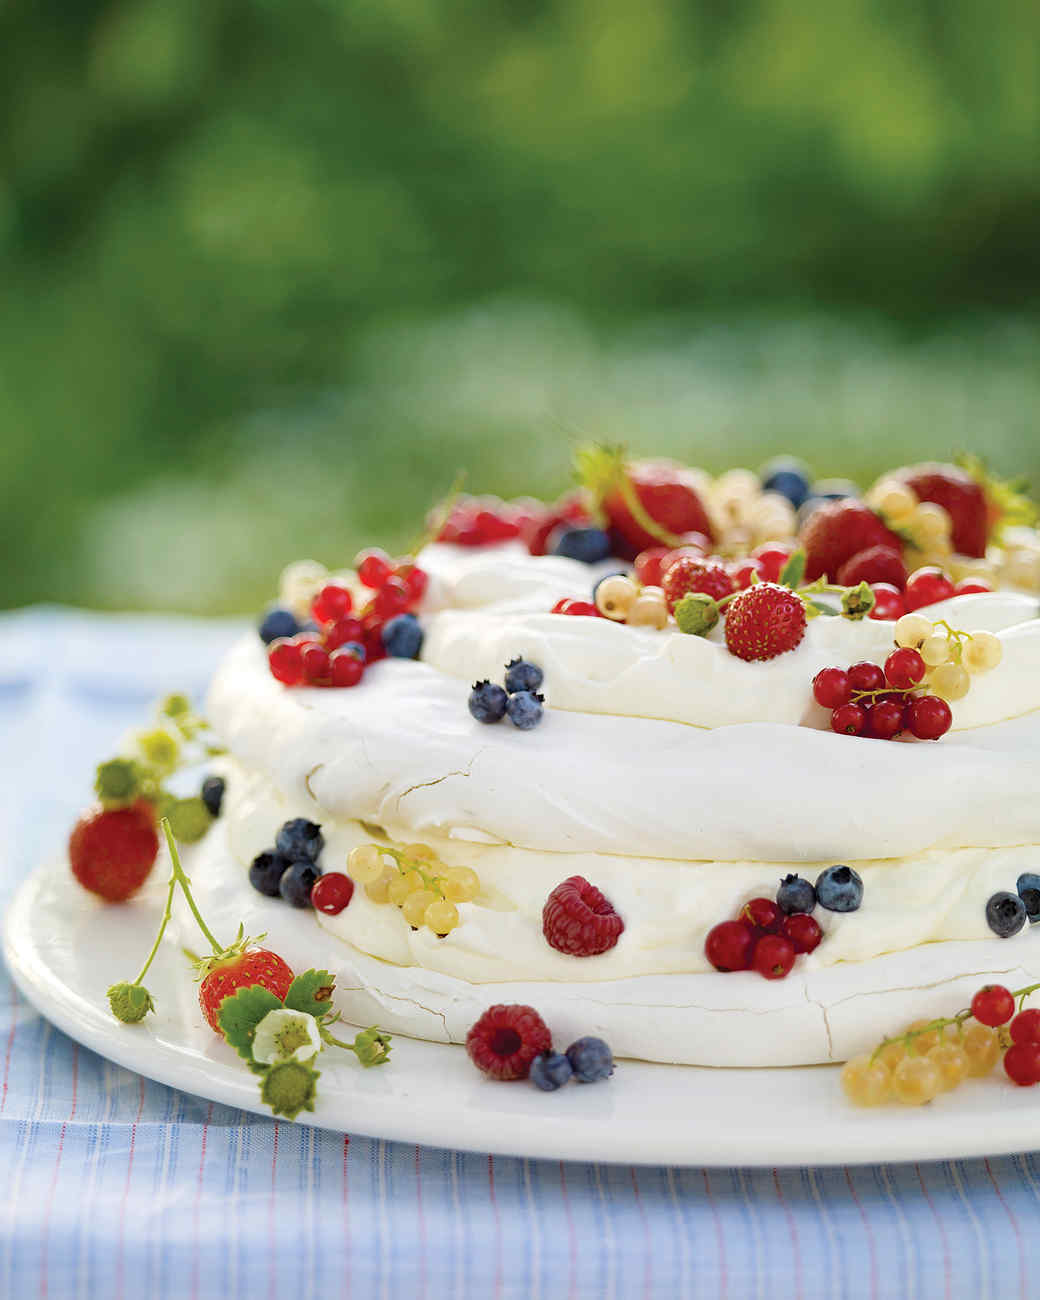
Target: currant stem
(959,1019)
(185,884)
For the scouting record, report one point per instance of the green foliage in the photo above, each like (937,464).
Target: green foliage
(241,1013)
(311,992)
(210,208)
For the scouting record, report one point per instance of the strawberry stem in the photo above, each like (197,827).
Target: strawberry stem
(603,470)
(185,884)
(172,885)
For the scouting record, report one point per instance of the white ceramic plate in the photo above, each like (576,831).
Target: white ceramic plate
(65,951)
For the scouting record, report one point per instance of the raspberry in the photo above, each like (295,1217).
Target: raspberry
(763,622)
(506,1039)
(688,573)
(875,564)
(578,920)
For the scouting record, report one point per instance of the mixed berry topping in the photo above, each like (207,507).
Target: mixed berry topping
(290,869)
(519,699)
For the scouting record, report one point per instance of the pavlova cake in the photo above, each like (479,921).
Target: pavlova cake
(739,771)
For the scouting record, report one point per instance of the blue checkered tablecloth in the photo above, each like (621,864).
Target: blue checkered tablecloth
(113,1186)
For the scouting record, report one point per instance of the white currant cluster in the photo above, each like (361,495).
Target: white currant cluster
(952,657)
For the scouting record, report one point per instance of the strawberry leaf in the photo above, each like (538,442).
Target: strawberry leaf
(311,992)
(793,571)
(241,1013)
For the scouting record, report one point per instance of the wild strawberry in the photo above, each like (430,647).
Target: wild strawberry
(743,571)
(238,970)
(875,564)
(837,531)
(647,503)
(772,556)
(112,850)
(687,574)
(577,919)
(506,1039)
(963,499)
(764,621)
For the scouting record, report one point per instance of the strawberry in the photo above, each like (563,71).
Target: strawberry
(960,496)
(238,969)
(764,621)
(688,574)
(837,531)
(112,850)
(646,502)
(875,564)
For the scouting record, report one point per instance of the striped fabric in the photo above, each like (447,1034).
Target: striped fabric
(112,1186)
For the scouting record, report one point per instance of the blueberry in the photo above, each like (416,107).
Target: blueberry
(403,637)
(550,1071)
(213,794)
(589,545)
(1005,914)
(796,894)
(524,709)
(297,882)
(522,676)
(788,477)
(266,871)
(839,889)
(1028,888)
(278,622)
(300,840)
(487,702)
(591,1060)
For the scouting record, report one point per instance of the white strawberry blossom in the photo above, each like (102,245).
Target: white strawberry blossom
(285,1035)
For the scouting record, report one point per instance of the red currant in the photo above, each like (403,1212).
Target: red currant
(866,676)
(729,946)
(648,565)
(993,1005)
(393,597)
(285,660)
(849,720)
(1022,1064)
(373,566)
(345,668)
(969,586)
(581,609)
(332,892)
(743,571)
(494,525)
(315,664)
(372,640)
(928,717)
(331,603)
(562,605)
(904,668)
(888,601)
(340,632)
(774,957)
(772,559)
(885,719)
(414,578)
(763,914)
(802,930)
(926,586)
(831,687)
(1025,1028)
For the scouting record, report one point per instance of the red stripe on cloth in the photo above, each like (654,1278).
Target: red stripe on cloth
(9,1048)
(197,1203)
(49,1205)
(498,1225)
(126,1189)
(871,1245)
(1014,1227)
(720,1239)
(648,1260)
(947,1270)
(792,1228)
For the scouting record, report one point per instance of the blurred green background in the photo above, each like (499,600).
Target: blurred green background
(270,273)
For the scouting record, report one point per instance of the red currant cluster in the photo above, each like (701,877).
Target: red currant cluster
(488,521)
(336,652)
(925,586)
(934,1056)
(762,938)
(866,700)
